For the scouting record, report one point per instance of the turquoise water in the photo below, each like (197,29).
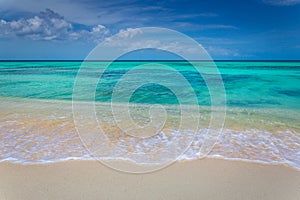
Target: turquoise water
(247,84)
(262,99)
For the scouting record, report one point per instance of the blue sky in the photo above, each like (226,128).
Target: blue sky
(231,29)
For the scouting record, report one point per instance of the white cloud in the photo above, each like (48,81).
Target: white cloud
(116,13)
(220,51)
(129,32)
(49,25)
(121,38)
(282,2)
(98,33)
(135,38)
(87,12)
(74,11)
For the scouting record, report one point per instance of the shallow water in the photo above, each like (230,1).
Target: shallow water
(262,118)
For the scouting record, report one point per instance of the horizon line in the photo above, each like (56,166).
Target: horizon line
(217,60)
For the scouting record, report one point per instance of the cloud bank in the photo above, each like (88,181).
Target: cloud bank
(49,25)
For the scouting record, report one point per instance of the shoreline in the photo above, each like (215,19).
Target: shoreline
(214,157)
(200,179)
(245,136)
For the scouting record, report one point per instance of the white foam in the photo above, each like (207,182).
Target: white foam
(252,145)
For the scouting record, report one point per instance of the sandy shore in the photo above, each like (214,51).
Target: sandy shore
(202,179)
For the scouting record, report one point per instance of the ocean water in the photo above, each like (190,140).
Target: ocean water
(261,124)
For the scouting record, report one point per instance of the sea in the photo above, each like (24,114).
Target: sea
(260,111)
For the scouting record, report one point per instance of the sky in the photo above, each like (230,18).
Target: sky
(228,30)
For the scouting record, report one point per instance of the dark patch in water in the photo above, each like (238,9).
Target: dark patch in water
(290,93)
(5,83)
(234,78)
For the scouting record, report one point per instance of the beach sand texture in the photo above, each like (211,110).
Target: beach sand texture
(201,179)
